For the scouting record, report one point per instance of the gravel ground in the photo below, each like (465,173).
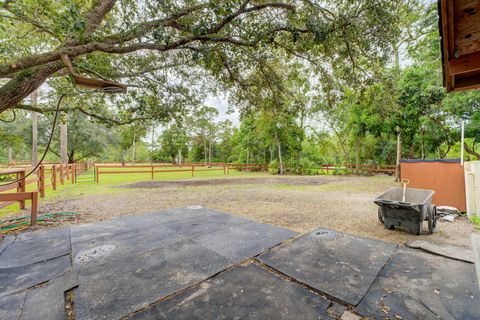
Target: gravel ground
(299,203)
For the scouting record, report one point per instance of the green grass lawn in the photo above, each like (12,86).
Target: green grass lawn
(476,221)
(108,184)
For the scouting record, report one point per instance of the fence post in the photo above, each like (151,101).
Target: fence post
(54,177)
(152,172)
(193,169)
(97,173)
(21,187)
(61,174)
(73,173)
(33,218)
(41,181)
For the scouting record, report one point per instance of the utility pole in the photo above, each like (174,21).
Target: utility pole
(465,117)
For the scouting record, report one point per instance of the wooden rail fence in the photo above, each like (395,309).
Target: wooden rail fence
(370,168)
(46,176)
(102,169)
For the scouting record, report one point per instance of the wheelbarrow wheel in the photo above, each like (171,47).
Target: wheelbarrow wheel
(380,215)
(432,219)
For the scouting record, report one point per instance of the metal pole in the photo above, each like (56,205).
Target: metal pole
(462,143)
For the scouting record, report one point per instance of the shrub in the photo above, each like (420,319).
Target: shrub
(273,167)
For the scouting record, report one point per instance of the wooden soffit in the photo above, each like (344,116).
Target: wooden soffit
(460,40)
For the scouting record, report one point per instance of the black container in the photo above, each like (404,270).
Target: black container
(408,214)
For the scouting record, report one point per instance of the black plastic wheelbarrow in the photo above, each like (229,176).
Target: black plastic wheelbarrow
(409,211)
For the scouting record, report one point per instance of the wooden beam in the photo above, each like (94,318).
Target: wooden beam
(465,64)
(11,171)
(446,35)
(469,83)
(20,196)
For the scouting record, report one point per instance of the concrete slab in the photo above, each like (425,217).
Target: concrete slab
(48,301)
(18,278)
(476,253)
(419,285)
(33,247)
(248,292)
(447,250)
(340,265)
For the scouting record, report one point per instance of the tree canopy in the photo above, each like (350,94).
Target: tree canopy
(172,52)
(312,80)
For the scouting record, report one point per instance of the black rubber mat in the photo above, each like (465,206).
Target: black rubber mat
(106,246)
(11,305)
(33,247)
(243,240)
(18,278)
(48,301)
(119,287)
(248,292)
(145,258)
(420,285)
(340,265)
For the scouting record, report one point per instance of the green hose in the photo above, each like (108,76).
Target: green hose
(13,223)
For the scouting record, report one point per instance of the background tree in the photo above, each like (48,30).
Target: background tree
(128,134)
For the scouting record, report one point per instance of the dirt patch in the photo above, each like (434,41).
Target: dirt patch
(296,181)
(301,204)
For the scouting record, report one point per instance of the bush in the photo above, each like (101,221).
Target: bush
(305,166)
(7,177)
(273,167)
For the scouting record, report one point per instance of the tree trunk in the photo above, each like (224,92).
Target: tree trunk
(71,156)
(124,153)
(63,140)
(134,151)
(205,152)
(34,116)
(399,156)
(180,156)
(357,155)
(471,151)
(209,152)
(153,144)
(24,83)
(279,150)
(396,58)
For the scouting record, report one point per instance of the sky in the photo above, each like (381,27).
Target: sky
(221,104)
